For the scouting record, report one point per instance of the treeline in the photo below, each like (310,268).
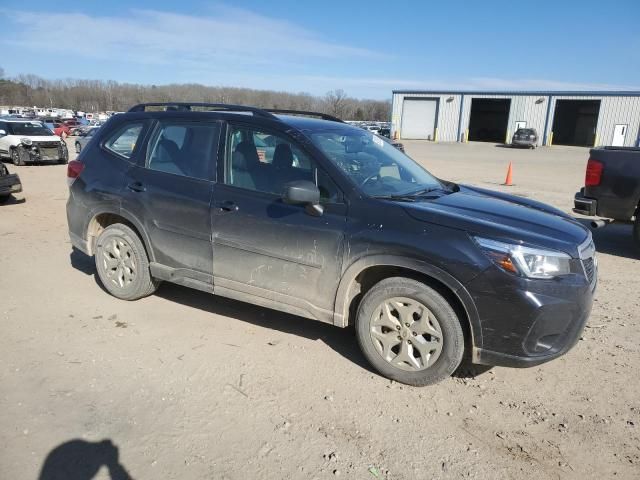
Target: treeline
(100,95)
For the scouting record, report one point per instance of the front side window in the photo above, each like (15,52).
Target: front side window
(184,148)
(265,162)
(371,162)
(123,141)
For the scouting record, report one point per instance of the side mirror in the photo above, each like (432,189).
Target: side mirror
(304,192)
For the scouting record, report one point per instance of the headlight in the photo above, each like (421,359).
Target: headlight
(526,261)
(26,141)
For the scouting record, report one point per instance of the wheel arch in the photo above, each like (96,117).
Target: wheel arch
(365,272)
(102,218)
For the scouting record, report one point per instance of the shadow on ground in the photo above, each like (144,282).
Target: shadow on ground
(11,200)
(343,341)
(81,460)
(614,239)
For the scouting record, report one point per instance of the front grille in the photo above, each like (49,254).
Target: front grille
(47,144)
(589,268)
(589,262)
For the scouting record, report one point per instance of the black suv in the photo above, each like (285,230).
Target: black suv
(305,214)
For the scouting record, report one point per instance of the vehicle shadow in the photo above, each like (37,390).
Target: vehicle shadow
(614,239)
(342,341)
(82,262)
(11,200)
(81,460)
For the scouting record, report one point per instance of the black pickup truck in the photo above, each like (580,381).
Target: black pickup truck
(9,183)
(612,187)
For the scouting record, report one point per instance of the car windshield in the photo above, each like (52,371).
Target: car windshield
(374,164)
(33,129)
(526,131)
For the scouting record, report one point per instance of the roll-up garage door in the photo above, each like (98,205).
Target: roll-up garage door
(418,118)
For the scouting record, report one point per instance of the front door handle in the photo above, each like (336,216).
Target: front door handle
(136,187)
(227,206)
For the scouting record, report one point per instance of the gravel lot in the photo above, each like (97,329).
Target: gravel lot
(190,386)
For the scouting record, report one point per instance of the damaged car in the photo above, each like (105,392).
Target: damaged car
(30,141)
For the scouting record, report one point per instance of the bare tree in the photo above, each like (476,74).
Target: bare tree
(100,95)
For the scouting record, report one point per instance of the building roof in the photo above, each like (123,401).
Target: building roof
(543,93)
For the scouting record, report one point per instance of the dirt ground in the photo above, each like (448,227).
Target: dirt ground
(190,386)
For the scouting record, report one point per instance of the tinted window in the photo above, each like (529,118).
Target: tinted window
(183,148)
(264,161)
(124,140)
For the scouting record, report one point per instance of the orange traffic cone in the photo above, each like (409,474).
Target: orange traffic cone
(509,180)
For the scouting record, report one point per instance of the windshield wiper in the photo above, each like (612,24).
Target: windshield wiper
(412,196)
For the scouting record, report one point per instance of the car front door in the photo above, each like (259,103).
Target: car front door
(275,253)
(170,191)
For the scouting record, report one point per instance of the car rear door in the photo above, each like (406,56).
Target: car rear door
(264,248)
(170,189)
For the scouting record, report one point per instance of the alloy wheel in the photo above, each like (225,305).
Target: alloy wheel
(119,262)
(406,334)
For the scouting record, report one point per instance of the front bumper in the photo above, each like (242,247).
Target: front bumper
(584,205)
(523,143)
(528,322)
(10,184)
(45,153)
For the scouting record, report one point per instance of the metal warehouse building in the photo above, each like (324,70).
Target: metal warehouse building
(560,118)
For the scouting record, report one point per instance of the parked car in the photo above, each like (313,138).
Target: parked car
(83,139)
(9,183)
(337,226)
(28,141)
(525,137)
(612,187)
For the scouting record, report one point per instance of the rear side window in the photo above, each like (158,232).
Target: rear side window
(123,141)
(184,148)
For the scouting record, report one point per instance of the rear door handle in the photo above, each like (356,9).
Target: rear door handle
(136,187)
(227,206)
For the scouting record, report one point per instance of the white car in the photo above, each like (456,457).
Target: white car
(28,141)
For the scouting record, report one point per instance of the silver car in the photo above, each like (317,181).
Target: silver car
(83,139)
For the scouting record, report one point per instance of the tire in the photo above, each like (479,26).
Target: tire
(122,263)
(636,230)
(443,354)
(17,156)
(4,198)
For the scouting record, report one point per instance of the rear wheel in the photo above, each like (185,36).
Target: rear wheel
(636,230)
(122,263)
(409,332)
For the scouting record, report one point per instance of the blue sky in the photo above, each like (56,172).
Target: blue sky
(368,48)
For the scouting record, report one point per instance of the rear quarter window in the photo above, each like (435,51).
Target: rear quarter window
(123,141)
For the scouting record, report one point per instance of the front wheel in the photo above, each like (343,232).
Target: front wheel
(636,230)
(409,332)
(17,156)
(122,263)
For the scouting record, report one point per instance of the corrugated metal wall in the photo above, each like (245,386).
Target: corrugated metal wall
(523,108)
(447,121)
(529,108)
(613,110)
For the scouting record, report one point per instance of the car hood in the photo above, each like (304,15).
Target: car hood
(502,216)
(41,138)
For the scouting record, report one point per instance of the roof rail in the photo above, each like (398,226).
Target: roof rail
(187,106)
(323,116)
